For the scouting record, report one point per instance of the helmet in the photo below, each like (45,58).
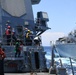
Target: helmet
(26,28)
(29,31)
(8,21)
(9,27)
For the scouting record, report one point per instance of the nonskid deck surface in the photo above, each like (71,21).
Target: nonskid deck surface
(26,74)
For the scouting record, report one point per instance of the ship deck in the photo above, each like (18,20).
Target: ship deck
(27,74)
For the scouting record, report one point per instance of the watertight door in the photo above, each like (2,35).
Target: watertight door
(36,60)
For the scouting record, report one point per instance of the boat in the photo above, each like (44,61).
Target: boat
(66,46)
(18,14)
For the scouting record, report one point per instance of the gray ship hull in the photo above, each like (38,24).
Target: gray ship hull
(67,50)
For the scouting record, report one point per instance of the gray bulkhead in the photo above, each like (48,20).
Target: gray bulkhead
(19,14)
(36,57)
(32,58)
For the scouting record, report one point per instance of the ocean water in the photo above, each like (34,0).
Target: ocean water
(65,61)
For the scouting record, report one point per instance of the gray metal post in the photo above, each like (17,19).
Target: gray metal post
(61,62)
(52,58)
(71,66)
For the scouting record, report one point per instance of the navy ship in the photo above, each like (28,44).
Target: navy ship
(66,45)
(64,48)
(18,16)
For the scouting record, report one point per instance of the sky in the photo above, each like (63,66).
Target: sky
(62,18)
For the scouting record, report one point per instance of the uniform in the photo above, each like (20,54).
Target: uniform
(8,35)
(17,49)
(2,56)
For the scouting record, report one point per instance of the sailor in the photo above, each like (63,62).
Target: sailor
(8,35)
(7,24)
(37,41)
(13,36)
(27,34)
(13,31)
(17,48)
(26,29)
(28,38)
(2,56)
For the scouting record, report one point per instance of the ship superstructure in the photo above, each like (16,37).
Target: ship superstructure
(19,15)
(71,38)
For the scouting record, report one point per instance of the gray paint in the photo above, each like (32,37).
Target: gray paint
(29,11)
(18,8)
(14,7)
(22,63)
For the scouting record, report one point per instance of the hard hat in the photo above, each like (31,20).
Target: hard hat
(26,28)
(9,27)
(29,31)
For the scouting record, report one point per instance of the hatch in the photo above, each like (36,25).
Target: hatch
(37,60)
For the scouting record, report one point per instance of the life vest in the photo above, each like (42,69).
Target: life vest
(8,32)
(2,54)
(20,48)
(17,46)
(27,35)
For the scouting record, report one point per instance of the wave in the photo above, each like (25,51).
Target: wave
(65,61)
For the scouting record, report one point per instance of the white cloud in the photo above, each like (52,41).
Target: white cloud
(50,36)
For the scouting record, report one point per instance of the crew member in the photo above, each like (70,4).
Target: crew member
(26,30)
(28,38)
(14,39)
(37,41)
(2,56)
(8,35)
(17,48)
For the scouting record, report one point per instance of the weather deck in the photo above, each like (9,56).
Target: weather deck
(27,74)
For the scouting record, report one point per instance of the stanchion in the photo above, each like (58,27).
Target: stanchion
(71,66)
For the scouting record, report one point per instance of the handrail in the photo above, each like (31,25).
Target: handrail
(71,66)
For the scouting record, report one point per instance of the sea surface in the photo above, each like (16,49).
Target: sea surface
(65,61)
